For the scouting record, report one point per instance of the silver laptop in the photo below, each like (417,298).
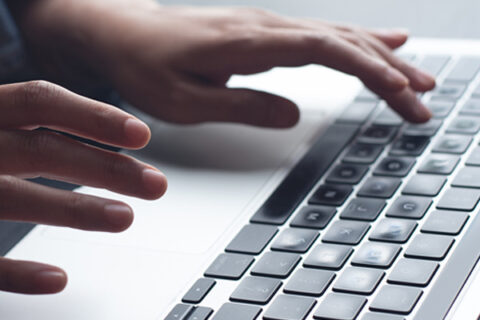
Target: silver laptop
(353,214)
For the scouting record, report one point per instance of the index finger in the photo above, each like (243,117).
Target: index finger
(40,103)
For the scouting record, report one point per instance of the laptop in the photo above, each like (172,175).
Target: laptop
(352,214)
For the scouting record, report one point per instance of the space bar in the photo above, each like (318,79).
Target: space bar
(297,184)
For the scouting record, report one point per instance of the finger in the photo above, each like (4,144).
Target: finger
(26,201)
(393,38)
(40,103)
(30,277)
(51,155)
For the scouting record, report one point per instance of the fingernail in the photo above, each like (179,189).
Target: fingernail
(426,79)
(422,113)
(137,132)
(50,281)
(155,182)
(396,77)
(119,216)
(394,31)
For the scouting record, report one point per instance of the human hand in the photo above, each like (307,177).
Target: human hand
(27,154)
(174,62)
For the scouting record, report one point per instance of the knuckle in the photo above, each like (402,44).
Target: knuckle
(74,210)
(39,146)
(34,92)
(9,186)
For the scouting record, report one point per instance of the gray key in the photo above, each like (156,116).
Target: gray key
(413,272)
(380,316)
(409,207)
(340,306)
(476,92)
(427,129)
(445,222)
(375,254)
(474,158)
(394,166)
(433,64)
(276,264)
(461,199)
(357,112)
(286,307)
(229,266)
(201,313)
(358,280)
(378,187)
(257,290)
(363,209)
(429,246)
(397,299)
(448,91)
(347,173)
(180,312)
(409,146)
(235,311)
(440,109)
(464,69)
(388,117)
(252,239)
(295,240)
(314,217)
(439,164)
(198,291)
(455,144)
(346,232)
(328,256)
(393,230)
(468,177)
(464,125)
(363,153)
(366,94)
(424,185)
(377,135)
(309,282)
(471,107)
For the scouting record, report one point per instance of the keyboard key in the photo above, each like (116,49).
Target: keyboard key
(393,230)
(427,129)
(286,307)
(377,187)
(295,240)
(413,272)
(198,291)
(363,153)
(309,282)
(358,280)
(409,207)
(201,313)
(257,290)
(445,222)
(439,164)
(464,125)
(394,166)
(347,173)
(464,70)
(409,146)
(331,194)
(424,185)
(433,64)
(474,158)
(388,117)
(328,256)
(468,177)
(461,199)
(440,109)
(229,266)
(375,254)
(377,135)
(346,232)
(363,209)
(252,239)
(340,306)
(276,264)
(429,246)
(381,316)
(455,144)
(397,299)
(314,217)
(448,91)
(471,107)
(235,311)
(357,112)
(180,312)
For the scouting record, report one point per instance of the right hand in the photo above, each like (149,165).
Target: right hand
(27,154)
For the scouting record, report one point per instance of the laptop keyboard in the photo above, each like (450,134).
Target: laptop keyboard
(364,222)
